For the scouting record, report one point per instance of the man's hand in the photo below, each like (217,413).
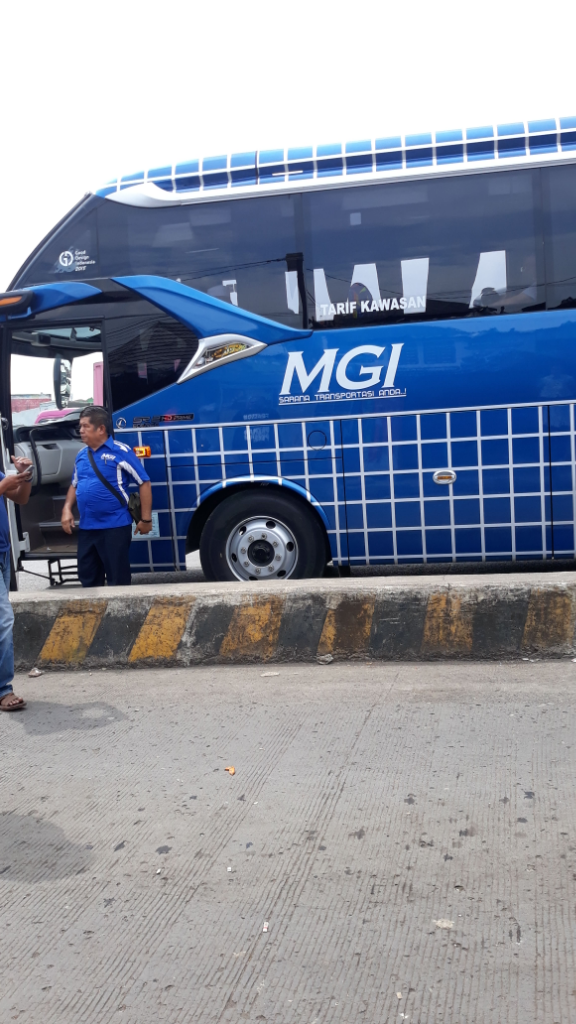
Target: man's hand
(143,527)
(23,467)
(67,519)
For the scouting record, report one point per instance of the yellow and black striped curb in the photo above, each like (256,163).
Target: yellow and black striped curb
(383,620)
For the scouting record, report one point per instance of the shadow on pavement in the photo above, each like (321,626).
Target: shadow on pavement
(34,850)
(43,717)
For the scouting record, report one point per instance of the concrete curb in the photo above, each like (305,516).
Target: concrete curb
(401,619)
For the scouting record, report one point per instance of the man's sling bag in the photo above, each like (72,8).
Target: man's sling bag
(133,503)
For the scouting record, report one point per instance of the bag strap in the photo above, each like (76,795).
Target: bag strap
(104,481)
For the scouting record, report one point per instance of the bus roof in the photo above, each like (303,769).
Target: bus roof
(279,170)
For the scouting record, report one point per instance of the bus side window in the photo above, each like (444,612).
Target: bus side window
(454,246)
(559,188)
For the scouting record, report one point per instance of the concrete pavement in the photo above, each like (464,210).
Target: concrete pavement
(407,831)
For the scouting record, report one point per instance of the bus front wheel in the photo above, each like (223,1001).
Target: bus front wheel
(260,536)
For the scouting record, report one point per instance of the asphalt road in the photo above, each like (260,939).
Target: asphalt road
(407,832)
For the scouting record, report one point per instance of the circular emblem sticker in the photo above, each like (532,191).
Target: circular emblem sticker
(121,422)
(66,258)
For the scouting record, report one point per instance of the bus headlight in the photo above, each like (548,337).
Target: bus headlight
(217,350)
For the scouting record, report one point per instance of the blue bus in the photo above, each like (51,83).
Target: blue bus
(362,353)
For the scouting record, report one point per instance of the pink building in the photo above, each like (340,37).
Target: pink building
(22,402)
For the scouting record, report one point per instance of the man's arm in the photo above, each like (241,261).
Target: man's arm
(10,486)
(67,517)
(146,505)
(23,494)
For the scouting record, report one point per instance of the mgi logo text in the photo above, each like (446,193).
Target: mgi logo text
(352,389)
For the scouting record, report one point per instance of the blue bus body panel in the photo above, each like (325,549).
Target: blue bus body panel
(453,364)
(51,296)
(490,397)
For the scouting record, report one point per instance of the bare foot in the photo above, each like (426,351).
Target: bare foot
(10,702)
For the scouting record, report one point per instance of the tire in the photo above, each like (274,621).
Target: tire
(260,534)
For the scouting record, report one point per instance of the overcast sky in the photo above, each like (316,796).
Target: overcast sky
(90,90)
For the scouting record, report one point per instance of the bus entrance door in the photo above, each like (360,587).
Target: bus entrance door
(55,371)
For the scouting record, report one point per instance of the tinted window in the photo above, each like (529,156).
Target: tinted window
(559,187)
(71,253)
(458,246)
(145,354)
(234,250)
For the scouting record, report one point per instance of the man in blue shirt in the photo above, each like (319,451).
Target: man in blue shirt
(17,488)
(105,523)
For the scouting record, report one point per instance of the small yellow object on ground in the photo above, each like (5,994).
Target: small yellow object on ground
(230,769)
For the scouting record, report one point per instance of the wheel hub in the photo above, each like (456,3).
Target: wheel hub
(261,548)
(261,552)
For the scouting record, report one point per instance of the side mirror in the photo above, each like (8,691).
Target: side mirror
(62,381)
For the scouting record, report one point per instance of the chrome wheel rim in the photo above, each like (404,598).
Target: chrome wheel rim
(261,548)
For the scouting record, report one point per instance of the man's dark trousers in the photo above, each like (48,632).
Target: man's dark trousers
(104,553)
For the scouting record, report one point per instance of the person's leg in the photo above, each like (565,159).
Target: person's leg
(114,549)
(6,627)
(8,699)
(90,565)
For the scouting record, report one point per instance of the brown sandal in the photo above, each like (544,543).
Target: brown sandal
(14,707)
